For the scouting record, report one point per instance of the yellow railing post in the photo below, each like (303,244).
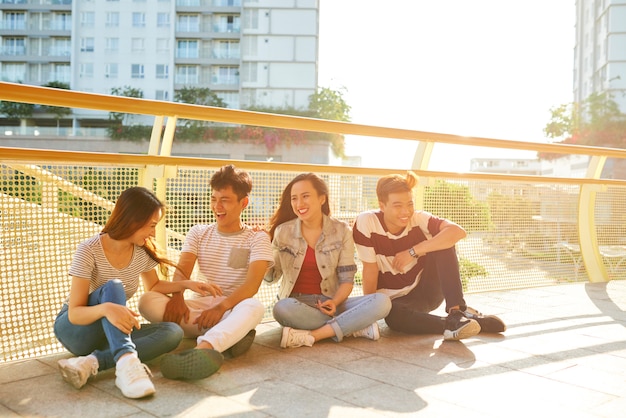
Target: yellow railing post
(588,238)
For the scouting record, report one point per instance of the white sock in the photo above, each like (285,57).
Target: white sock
(123,360)
(93,359)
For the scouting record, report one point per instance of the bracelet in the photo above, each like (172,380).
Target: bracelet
(412,253)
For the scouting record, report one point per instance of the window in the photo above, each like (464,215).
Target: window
(136,71)
(111,70)
(86,70)
(137,44)
(13,46)
(61,47)
(188,23)
(13,72)
(226,50)
(112,44)
(163,20)
(231,98)
(187,49)
(139,20)
(61,21)
(162,45)
(87,19)
(162,71)
(87,44)
(60,72)
(227,23)
(225,75)
(112,20)
(14,21)
(162,95)
(186,74)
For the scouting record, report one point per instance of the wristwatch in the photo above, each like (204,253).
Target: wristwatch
(412,253)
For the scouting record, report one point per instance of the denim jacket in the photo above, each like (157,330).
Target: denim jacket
(334,253)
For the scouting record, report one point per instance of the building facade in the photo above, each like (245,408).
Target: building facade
(260,53)
(600,50)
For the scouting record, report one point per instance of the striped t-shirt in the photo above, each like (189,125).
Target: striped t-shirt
(223,258)
(90,263)
(375,244)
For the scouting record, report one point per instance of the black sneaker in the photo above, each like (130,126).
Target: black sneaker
(459,327)
(191,364)
(241,346)
(488,323)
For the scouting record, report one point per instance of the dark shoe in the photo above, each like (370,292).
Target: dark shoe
(241,346)
(488,323)
(191,364)
(459,327)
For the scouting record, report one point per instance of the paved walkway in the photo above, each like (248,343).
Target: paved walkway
(564,354)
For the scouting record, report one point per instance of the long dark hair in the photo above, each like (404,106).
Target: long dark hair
(133,210)
(285,212)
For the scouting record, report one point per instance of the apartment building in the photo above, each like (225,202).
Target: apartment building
(248,52)
(600,50)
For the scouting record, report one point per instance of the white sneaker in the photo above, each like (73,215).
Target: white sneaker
(372,332)
(133,379)
(77,370)
(296,338)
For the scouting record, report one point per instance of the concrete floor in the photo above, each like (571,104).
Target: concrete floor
(564,353)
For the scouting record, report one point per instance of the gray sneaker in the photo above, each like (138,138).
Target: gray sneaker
(371,332)
(488,323)
(77,370)
(296,338)
(241,346)
(459,327)
(191,364)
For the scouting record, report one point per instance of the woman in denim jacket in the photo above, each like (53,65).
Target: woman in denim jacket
(314,255)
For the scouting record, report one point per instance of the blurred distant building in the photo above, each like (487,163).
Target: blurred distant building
(600,50)
(569,166)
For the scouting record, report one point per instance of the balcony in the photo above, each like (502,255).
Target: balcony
(564,304)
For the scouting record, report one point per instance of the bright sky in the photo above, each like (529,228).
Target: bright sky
(487,68)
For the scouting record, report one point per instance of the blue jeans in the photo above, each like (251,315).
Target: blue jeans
(107,342)
(356,313)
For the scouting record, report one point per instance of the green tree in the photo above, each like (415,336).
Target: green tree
(329,104)
(325,103)
(596,121)
(194,130)
(126,91)
(198,96)
(17,111)
(120,126)
(58,111)
(456,203)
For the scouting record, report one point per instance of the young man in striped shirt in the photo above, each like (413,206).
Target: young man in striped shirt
(410,255)
(232,259)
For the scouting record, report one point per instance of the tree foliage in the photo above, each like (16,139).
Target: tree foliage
(193,129)
(597,121)
(16,111)
(57,111)
(119,128)
(329,104)
(325,103)
(198,96)
(126,91)
(456,203)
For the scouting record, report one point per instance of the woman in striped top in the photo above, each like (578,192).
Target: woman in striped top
(94,322)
